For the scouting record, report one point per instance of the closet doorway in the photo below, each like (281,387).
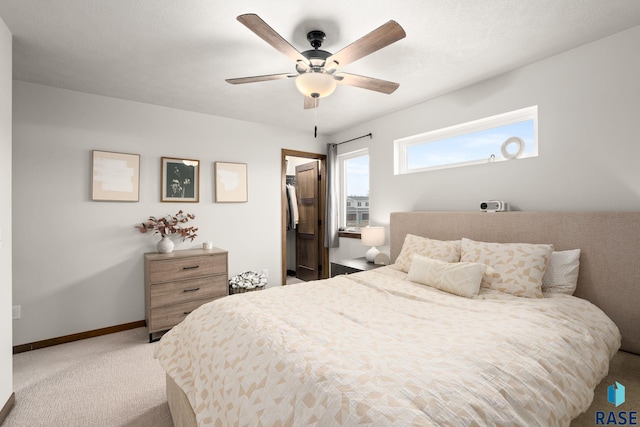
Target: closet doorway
(304,256)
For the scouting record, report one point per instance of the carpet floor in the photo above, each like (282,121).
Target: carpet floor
(113,380)
(625,369)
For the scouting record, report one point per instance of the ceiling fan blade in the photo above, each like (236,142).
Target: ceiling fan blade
(268,34)
(310,102)
(369,83)
(381,37)
(254,79)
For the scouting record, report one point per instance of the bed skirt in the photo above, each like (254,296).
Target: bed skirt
(181,412)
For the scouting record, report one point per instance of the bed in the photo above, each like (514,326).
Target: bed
(375,348)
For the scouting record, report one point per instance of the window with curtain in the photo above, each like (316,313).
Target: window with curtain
(354,190)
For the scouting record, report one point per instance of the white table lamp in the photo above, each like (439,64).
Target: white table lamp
(372,236)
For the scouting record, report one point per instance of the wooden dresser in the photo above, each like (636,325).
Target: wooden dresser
(175,284)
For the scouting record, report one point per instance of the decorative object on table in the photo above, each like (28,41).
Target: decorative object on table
(207,245)
(180,180)
(372,236)
(231,182)
(165,245)
(381,259)
(115,177)
(168,225)
(247,282)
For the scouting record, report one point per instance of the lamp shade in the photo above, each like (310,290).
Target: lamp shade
(315,84)
(372,236)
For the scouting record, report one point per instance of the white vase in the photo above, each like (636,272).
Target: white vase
(165,245)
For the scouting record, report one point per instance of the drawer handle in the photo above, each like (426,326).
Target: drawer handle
(186,313)
(191,290)
(191,268)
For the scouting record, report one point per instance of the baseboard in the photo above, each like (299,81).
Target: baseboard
(4,412)
(76,337)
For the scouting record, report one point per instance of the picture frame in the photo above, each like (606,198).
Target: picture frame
(115,177)
(231,182)
(180,180)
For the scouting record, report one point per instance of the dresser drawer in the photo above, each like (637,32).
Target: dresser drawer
(184,268)
(163,318)
(179,282)
(188,290)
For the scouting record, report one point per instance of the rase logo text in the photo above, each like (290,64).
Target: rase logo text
(616,396)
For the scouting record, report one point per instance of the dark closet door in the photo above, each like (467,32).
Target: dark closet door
(308,263)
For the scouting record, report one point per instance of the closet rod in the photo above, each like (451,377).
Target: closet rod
(370,135)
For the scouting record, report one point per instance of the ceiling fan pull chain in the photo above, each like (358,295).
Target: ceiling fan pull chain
(315,112)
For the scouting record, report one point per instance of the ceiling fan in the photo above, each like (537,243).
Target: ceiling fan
(317,71)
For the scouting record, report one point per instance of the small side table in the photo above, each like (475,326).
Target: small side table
(349,266)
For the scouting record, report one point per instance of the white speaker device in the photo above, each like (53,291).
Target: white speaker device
(494,206)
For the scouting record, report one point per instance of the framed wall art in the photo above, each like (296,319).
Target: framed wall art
(231,182)
(115,177)
(180,180)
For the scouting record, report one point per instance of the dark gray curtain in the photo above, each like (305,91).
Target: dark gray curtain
(331,239)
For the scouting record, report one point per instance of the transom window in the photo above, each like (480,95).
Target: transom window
(506,136)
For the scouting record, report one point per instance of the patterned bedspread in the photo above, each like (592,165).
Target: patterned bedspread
(373,348)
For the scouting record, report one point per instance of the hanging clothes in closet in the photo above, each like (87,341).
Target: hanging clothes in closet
(292,207)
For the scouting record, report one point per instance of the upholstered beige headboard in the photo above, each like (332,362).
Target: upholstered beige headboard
(609,242)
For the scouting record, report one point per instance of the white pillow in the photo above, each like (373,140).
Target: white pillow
(448,251)
(459,278)
(561,276)
(518,268)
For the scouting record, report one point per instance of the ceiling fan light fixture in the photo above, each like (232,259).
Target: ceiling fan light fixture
(316,68)
(315,84)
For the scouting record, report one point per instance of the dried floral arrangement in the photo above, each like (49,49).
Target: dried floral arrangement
(170,224)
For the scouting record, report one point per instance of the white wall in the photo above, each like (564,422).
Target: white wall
(78,264)
(6,364)
(588,139)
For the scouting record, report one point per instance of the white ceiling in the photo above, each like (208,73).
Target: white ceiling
(178,53)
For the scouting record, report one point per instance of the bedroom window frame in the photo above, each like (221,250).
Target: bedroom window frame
(402,145)
(342,167)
